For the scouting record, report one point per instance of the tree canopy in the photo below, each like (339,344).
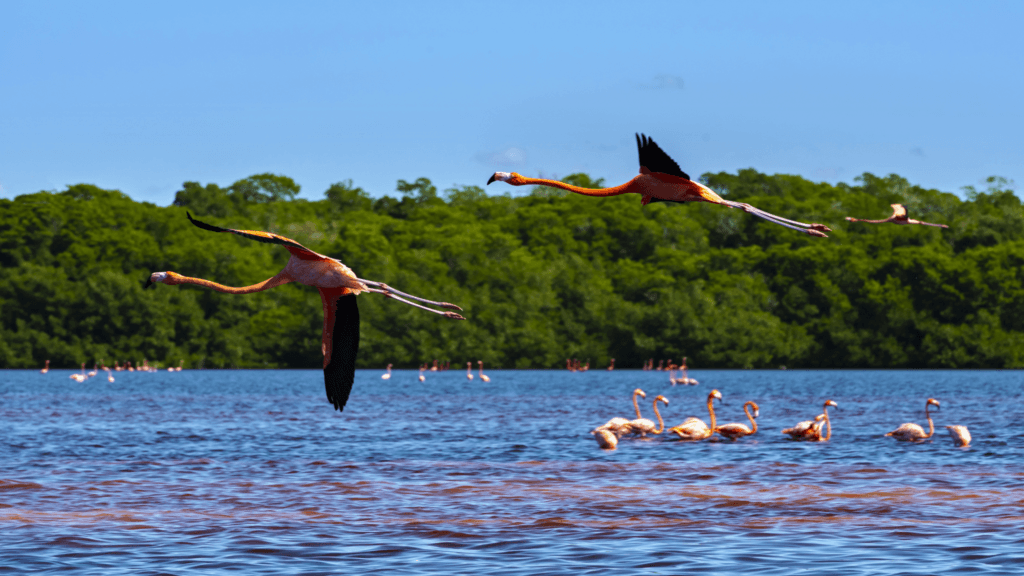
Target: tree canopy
(542,276)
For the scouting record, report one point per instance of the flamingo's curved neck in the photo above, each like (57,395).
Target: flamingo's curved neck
(931,426)
(753,423)
(265,285)
(711,411)
(614,191)
(661,423)
(636,406)
(828,425)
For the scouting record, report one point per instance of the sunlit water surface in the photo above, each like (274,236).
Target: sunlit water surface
(206,472)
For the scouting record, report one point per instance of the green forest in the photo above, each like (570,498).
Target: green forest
(542,275)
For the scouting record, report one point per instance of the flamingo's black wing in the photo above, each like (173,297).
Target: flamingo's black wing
(654,158)
(268,237)
(341,335)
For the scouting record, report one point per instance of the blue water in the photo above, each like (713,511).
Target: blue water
(210,472)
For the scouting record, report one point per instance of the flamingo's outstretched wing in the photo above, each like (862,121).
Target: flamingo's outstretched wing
(654,159)
(270,238)
(340,343)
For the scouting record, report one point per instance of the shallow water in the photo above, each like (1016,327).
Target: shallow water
(206,472)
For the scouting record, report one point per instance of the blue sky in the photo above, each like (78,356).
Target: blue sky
(144,96)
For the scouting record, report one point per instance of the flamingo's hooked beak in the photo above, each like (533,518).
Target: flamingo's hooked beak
(500,177)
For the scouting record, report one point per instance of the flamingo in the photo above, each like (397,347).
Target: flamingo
(686,377)
(80,377)
(110,377)
(129,365)
(961,436)
(606,439)
(805,430)
(338,286)
(434,367)
(816,433)
(45,368)
(469,370)
(612,365)
(734,431)
(388,375)
(117,367)
(93,371)
(621,425)
(422,377)
(661,180)
(643,426)
(910,431)
(181,362)
(484,377)
(899,216)
(695,428)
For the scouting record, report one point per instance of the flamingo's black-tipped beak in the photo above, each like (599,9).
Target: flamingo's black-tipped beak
(492,178)
(149,282)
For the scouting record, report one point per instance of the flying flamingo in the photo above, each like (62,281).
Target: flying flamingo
(643,426)
(805,430)
(45,368)
(661,180)
(484,377)
(388,375)
(619,425)
(734,431)
(469,370)
(816,434)
(899,216)
(338,286)
(695,428)
(910,431)
(961,436)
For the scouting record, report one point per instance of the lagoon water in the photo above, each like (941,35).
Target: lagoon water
(211,472)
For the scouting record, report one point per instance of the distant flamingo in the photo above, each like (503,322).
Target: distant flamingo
(606,439)
(110,377)
(92,372)
(422,377)
(338,286)
(619,425)
(612,365)
(660,364)
(434,367)
(117,367)
(661,180)
(643,426)
(129,365)
(80,377)
(388,375)
(181,362)
(686,376)
(45,368)
(816,434)
(484,377)
(695,428)
(961,437)
(734,431)
(899,216)
(910,431)
(469,370)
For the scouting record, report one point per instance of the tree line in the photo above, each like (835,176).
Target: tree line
(542,276)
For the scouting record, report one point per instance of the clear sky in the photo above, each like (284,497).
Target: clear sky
(142,96)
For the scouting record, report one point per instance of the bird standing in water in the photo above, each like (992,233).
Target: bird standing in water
(661,180)
(338,287)
(694,428)
(734,431)
(899,216)
(910,431)
(961,436)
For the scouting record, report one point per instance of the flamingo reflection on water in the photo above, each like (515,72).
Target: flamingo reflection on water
(734,431)
(909,431)
(694,428)
(338,287)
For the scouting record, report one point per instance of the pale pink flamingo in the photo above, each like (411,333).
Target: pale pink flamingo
(695,428)
(338,286)
(806,430)
(619,425)
(899,216)
(961,436)
(80,377)
(643,426)
(483,377)
(45,368)
(388,375)
(734,431)
(910,431)
(816,434)
(469,370)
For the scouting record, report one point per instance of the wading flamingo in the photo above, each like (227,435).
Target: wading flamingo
(606,439)
(181,362)
(806,430)
(816,433)
(93,371)
(899,216)
(483,377)
(45,368)
(961,437)
(910,431)
(734,431)
(129,365)
(388,375)
(661,180)
(695,428)
(469,370)
(422,377)
(80,377)
(620,426)
(338,287)
(643,426)
(612,365)
(110,377)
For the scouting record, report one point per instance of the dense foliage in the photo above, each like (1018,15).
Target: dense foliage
(542,276)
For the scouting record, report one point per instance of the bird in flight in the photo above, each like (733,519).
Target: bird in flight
(899,216)
(338,287)
(661,180)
